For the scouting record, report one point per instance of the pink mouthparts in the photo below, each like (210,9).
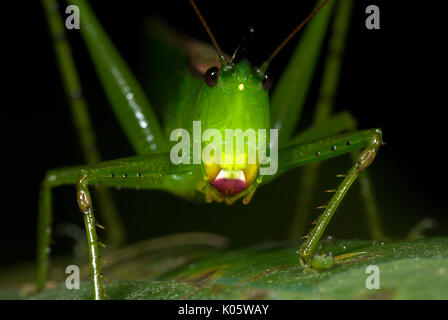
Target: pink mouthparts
(229,186)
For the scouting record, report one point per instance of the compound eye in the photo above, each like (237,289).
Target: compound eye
(211,76)
(267,82)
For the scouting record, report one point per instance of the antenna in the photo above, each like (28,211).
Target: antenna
(244,44)
(265,64)
(210,34)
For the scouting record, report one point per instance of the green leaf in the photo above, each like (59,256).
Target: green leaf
(412,269)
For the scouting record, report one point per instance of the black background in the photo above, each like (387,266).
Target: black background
(393,78)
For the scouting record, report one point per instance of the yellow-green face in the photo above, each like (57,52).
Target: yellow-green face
(234,98)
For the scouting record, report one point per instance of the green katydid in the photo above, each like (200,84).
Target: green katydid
(201,84)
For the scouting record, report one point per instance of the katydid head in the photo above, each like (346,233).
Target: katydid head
(235,97)
(233,106)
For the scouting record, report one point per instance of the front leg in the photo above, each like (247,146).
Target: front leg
(146,172)
(85,204)
(295,156)
(335,125)
(55,178)
(308,248)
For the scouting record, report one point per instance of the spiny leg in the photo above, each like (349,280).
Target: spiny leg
(80,117)
(298,155)
(86,206)
(309,248)
(57,178)
(307,187)
(336,124)
(146,172)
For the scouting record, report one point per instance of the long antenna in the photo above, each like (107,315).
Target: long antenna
(265,64)
(210,34)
